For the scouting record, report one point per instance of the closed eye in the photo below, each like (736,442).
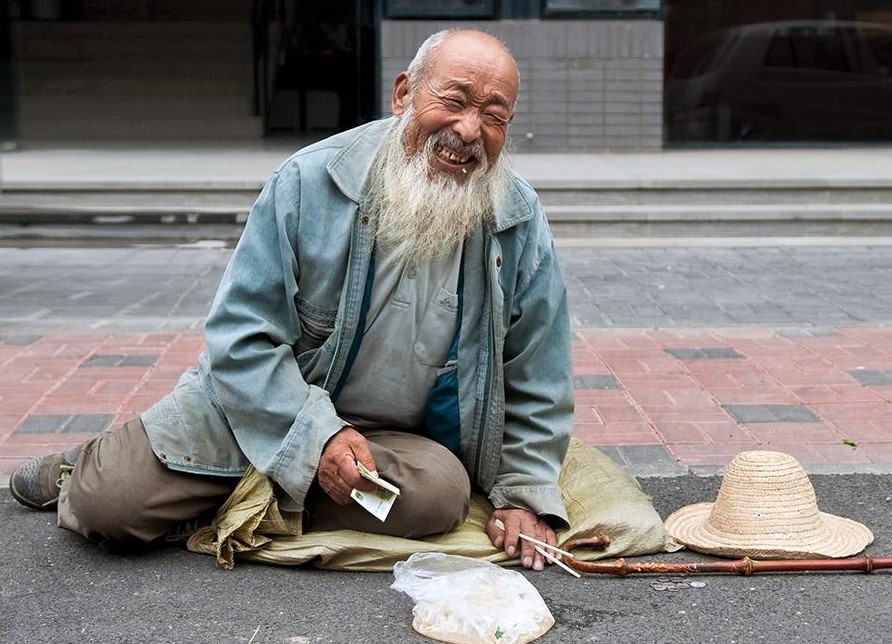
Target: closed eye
(454,103)
(495,119)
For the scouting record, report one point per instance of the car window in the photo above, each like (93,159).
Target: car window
(810,48)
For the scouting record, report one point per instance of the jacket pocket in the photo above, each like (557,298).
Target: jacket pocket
(434,334)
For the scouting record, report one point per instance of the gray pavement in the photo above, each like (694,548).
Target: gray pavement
(143,286)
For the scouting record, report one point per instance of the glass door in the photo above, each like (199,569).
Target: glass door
(322,68)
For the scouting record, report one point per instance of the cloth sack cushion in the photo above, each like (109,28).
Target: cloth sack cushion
(599,495)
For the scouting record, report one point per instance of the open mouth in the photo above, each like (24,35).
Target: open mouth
(451,157)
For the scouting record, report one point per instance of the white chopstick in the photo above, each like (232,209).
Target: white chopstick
(526,537)
(557,562)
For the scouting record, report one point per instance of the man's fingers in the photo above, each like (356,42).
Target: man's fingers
(334,486)
(337,473)
(362,453)
(505,528)
(545,534)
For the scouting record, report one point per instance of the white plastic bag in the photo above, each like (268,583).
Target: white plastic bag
(470,601)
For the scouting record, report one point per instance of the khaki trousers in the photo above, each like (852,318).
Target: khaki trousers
(122,497)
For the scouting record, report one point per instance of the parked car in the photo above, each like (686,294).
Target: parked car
(783,81)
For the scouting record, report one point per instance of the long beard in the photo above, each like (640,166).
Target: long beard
(424,214)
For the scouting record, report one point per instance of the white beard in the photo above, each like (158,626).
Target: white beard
(424,214)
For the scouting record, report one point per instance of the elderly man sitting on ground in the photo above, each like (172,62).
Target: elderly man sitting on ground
(395,302)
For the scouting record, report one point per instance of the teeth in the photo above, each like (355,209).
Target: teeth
(452,157)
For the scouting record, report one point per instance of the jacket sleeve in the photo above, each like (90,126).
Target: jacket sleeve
(537,367)
(280,422)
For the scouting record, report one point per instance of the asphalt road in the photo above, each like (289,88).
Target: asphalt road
(55,587)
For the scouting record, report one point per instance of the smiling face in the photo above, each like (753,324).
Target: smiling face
(463,100)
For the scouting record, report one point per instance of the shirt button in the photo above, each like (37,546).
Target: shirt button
(498,261)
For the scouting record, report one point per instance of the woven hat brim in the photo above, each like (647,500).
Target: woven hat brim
(840,537)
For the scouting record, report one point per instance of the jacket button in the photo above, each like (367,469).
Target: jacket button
(365,219)
(498,261)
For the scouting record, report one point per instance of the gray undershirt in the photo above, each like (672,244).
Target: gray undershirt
(409,329)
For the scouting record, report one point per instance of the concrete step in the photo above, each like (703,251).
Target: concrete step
(230,204)
(718,220)
(707,193)
(85,206)
(741,195)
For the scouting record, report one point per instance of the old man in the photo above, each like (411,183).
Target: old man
(394,302)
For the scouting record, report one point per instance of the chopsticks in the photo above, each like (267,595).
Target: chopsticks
(557,562)
(540,548)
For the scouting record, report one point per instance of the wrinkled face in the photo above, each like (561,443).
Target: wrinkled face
(464,100)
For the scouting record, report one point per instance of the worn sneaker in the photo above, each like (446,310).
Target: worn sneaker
(37,482)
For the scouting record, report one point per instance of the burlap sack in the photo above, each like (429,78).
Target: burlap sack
(600,497)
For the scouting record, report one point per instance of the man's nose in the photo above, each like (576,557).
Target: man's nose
(468,126)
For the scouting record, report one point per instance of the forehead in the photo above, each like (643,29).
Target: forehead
(478,66)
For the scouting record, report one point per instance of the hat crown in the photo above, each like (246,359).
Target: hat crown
(765,492)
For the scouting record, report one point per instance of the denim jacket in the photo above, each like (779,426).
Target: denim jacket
(285,316)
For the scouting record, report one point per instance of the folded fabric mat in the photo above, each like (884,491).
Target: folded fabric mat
(600,497)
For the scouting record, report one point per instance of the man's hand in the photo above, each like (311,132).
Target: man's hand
(337,473)
(517,521)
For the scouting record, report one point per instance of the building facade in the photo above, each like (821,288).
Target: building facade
(596,74)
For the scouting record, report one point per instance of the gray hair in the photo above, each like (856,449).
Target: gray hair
(425,53)
(429,47)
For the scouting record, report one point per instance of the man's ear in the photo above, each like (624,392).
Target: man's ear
(400,95)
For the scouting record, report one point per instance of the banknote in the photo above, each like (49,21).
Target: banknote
(378,501)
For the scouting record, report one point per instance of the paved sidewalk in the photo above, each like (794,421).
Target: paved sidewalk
(683,357)
(248,165)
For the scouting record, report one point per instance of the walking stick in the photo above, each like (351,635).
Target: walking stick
(745,566)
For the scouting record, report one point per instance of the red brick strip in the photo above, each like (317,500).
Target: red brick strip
(680,402)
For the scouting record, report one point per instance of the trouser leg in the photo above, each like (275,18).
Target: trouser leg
(434,487)
(120,494)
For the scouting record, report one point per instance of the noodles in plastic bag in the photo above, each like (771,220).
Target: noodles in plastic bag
(470,601)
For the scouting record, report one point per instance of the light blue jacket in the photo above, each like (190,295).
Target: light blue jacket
(286,313)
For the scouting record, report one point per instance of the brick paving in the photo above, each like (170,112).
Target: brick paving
(706,394)
(58,390)
(677,398)
(681,387)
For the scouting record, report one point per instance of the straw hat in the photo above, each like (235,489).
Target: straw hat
(766,509)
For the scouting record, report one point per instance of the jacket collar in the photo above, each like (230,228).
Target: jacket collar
(350,168)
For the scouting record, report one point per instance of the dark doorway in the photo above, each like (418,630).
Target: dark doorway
(8,134)
(321,70)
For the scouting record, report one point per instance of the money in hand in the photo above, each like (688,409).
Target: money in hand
(381,499)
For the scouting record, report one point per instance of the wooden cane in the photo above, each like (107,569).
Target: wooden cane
(745,566)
